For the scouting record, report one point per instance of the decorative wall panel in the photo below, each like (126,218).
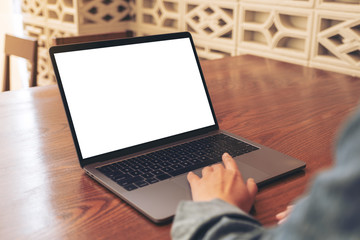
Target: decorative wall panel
(339,5)
(45,75)
(290,3)
(104,16)
(33,10)
(318,33)
(208,50)
(54,18)
(214,21)
(280,32)
(160,16)
(61,13)
(336,44)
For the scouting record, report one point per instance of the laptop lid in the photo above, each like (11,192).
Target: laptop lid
(127,95)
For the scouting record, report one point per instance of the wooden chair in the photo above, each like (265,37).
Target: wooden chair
(91,38)
(21,47)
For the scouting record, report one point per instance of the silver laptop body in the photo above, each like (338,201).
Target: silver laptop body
(132,97)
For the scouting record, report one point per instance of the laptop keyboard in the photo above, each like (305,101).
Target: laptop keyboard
(157,166)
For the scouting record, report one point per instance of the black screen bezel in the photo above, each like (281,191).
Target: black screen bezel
(141,147)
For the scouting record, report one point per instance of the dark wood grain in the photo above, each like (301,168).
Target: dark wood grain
(46,195)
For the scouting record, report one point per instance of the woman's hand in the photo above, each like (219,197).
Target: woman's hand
(282,216)
(225,183)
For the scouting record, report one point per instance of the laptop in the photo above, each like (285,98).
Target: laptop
(141,118)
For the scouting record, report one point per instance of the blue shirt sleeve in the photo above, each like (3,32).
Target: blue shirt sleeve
(329,210)
(215,219)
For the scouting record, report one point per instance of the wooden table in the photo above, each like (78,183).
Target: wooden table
(46,195)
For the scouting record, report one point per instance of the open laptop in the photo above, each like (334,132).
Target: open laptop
(141,117)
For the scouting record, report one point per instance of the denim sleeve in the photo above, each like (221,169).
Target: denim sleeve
(213,220)
(329,210)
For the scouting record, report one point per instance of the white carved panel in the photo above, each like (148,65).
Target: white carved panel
(290,3)
(319,33)
(340,5)
(45,72)
(105,16)
(36,31)
(278,32)
(53,18)
(33,10)
(336,44)
(159,15)
(208,50)
(61,12)
(212,20)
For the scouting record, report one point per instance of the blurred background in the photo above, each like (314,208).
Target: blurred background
(11,22)
(323,34)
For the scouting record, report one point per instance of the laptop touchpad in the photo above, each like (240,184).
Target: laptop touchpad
(182,180)
(246,170)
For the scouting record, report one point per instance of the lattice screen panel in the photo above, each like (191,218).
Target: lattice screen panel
(105,16)
(44,70)
(160,16)
(207,50)
(57,18)
(61,13)
(290,3)
(280,32)
(213,21)
(33,9)
(340,5)
(336,44)
(318,33)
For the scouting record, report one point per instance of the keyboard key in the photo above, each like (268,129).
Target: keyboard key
(186,163)
(187,169)
(176,166)
(155,167)
(174,161)
(164,164)
(141,184)
(167,169)
(147,175)
(146,170)
(130,187)
(163,176)
(121,177)
(136,167)
(124,182)
(134,173)
(194,161)
(151,180)
(157,172)
(128,169)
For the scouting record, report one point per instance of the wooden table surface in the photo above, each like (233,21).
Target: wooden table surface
(46,195)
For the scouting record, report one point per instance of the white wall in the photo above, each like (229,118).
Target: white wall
(11,22)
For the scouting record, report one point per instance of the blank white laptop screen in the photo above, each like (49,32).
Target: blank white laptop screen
(123,96)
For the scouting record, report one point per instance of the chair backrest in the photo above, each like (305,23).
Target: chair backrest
(91,38)
(24,47)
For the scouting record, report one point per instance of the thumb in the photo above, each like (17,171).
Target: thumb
(252,188)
